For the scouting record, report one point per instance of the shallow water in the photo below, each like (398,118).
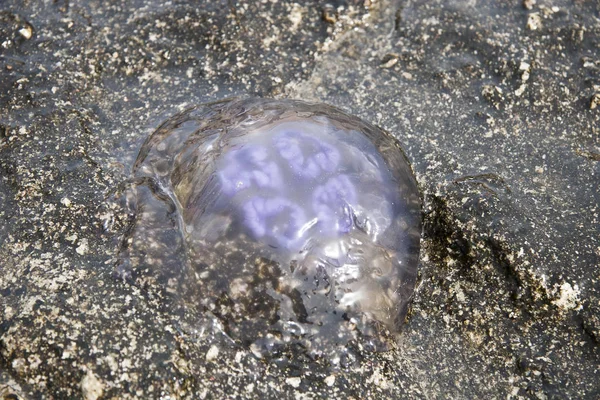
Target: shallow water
(294,225)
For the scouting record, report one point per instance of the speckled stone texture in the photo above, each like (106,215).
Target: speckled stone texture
(496,102)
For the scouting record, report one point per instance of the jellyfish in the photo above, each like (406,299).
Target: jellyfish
(299,224)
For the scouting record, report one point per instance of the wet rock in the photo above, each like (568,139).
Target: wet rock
(507,300)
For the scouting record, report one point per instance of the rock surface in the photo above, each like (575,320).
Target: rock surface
(496,104)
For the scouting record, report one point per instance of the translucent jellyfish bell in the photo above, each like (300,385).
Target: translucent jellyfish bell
(297,223)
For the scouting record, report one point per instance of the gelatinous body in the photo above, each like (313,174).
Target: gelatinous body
(299,223)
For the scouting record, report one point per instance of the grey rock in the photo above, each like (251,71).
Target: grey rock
(493,102)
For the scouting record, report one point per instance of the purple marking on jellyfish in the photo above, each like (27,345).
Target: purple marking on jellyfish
(275,217)
(248,167)
(333,202)
(307,156)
